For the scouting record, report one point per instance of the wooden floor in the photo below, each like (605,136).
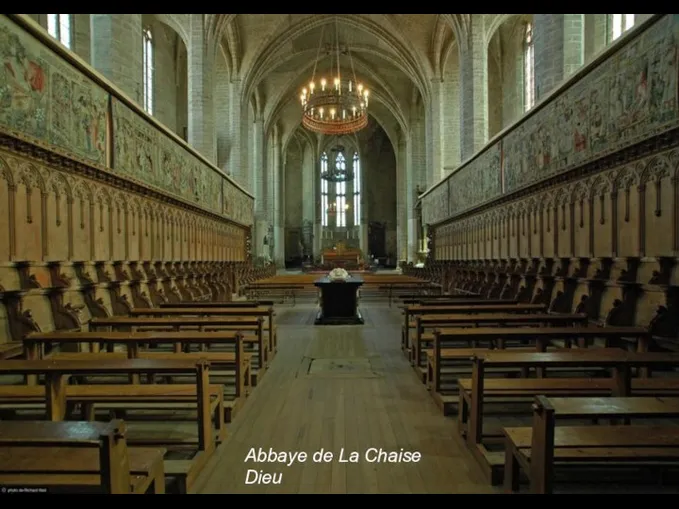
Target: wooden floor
(343,387)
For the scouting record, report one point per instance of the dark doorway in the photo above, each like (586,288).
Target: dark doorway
(377,239)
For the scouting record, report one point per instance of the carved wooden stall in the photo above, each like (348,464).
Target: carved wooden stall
(577,204)
(101,207)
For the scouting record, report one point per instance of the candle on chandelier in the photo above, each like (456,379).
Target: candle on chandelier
(312,85)
(323,82)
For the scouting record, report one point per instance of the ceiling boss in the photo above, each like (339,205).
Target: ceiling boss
(337,105)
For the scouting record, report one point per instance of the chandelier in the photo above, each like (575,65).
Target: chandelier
(338,106)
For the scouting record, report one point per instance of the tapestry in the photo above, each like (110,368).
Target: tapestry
(143,152)
(629,97)
(435,205)
(237,205)
(477,182)
(44,98)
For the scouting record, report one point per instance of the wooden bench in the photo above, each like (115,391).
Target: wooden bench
(237,360)
(56,374)
(187,323)
(521,388)
(486,320)
(130,396)
(218,304)
(541,337)
(410,312)
(417,297)
(265,312)
(618,361)
(287,291)
(536,450)
(68,456)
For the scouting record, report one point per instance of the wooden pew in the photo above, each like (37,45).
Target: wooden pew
(447,296)
(421,286)
(536,450)
(540,338)
(237,360)
(266,312)
(219,304)
(252,324)
(430,322)
(57,373)
(288,291)
(461,301)
(409,312)
(617,360)
(515,388)
(63,456)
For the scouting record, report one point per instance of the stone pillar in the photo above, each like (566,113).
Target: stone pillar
(201,126)
(410,198)
(235,164)
(435,140)
(402,200)
(278,198)
(474,66)
(559,49)
(259,175)
(364,218)
(318,227)
(82,36)
(117,51)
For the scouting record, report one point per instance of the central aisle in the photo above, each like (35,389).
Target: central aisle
(334,387)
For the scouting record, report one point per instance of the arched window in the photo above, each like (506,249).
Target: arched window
(59,27)
(357,189)
(528,69)
(341,192)
(324,190)
(619,24)
(148,70)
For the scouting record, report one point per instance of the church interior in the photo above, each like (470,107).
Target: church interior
(339,253)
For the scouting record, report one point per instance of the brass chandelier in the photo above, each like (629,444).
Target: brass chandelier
(337,106)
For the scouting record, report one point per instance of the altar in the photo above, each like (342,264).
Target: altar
(341,256)
(339,301)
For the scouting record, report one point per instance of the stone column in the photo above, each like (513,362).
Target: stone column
(259,175)
(411,151)
(318,227)
(436,120)
(474,67)
(309,194)
(559,41)
(278,198)
(235,119)
(201,126)
(402,200)
(117,52)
